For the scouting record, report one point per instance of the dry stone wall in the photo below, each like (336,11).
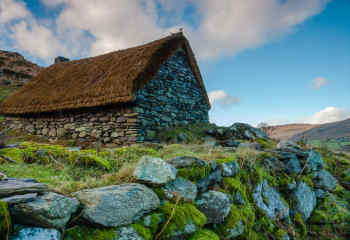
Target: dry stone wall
(107,125)
(173,97)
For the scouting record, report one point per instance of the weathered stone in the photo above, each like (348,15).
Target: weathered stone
(61,132)
(52,132)
(186,161)
(180,187)
(154,171)
(229,169)
(50,210)
(213,178)
(117,205)
(34,233)
(293,165)
(83,134)
(215,205)
(16,199)
(286,144)
(304,200)
(314,161)
(253,145)
(11,186)
(45,131)
(323,179)
(269,200)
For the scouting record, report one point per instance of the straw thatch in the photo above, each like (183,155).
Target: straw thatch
(107,79)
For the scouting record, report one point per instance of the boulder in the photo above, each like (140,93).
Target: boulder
(230,143)
(182,188)
(117,205)
(304,200)
(34,233)
(292,165)
(154,170)
(324,180)
(12,186)
(213,178)
(186,161)
(49,210)
(128,233)
(269,200)
(229,169)
(215,205)
(314,161)
(286,144)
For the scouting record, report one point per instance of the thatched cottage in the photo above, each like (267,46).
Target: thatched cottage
(119,97)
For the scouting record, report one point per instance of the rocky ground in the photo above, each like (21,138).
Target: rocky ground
(197,183)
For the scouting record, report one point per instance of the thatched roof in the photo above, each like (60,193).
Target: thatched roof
(107,79)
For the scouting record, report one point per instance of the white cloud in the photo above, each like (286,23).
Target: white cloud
(37,40)
(319,82)
(11,9)
(329,114)
(90,27)
(221,97)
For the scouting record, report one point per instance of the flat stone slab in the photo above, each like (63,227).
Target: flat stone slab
(50,210)
(12,186)
(25,198)
(117,205)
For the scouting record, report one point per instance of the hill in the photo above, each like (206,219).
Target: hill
(335,130)
(15,70)
(283,132)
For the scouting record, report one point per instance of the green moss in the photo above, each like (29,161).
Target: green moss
(12,153)
(332,210)
(308,180)
(87,158)
(194,173)
(262,173)
(205,234)
(280,234)
(234,185)
(266,144)
(160,193)
(299,222)
(184,214)
(245,214)
(5,219)
(155,220)
(226,160)
(82,232)
(143,231)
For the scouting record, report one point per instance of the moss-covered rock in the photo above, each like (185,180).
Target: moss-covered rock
(86,233)
(239,216)
(185,219)
(12,153)
(205,234)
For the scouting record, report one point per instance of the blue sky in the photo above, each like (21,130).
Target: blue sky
(262,60)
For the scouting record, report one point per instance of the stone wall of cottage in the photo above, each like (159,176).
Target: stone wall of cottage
(173,97)
(116,125)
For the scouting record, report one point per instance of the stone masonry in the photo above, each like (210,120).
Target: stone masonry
(171,98)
